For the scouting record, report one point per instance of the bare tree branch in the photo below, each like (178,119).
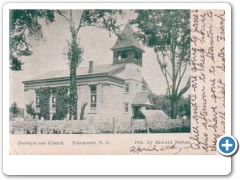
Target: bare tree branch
(164,66)
(174,78)
(183,90)
(92,25)
(168,73)
(72,28)
(61,14)
(179,69)
(164,73)
(169,56)
(71,18)
(180,79)
(80,22)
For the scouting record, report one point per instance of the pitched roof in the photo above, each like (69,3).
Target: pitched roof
(154,114)
(99,69)
(130,74)
(127,39)
(142,98)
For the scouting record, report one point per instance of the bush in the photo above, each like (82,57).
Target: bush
(30,109)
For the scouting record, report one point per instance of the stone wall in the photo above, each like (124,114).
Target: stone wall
(97,127)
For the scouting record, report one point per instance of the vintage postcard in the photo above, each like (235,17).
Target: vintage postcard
(141,82)
(116,81)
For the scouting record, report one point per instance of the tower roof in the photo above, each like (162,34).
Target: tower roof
(127,39)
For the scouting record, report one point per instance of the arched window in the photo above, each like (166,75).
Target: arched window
(122,55)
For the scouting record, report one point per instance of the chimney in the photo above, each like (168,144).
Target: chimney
(90,70)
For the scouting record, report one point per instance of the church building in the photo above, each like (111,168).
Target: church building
(116,90)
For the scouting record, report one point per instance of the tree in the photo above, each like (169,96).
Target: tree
(184,107)
(104,19)
(30,109)
(14,108)
(61,102)
(168,33)
(162,102)
(23,24)
(83,106)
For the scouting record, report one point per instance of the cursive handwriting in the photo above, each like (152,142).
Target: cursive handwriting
(214,125)
(221,54)
(203,112)
(214,142)
(197,143)
(213,89)
(139,149)
(194,108)
(154,148)
(222,26)
(221,87)
(207,79)
(210,52)
(195,25)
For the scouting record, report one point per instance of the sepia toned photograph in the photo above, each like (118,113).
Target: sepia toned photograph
(116,81)
(99,71)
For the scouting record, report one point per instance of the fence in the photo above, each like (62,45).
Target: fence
(113,126)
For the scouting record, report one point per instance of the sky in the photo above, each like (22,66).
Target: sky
(48,55)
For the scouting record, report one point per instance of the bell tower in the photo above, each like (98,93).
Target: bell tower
(127,49)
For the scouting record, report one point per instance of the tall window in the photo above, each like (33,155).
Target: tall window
(54,100)
(127,88)
(126,108)
(93,89)
(37,101)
